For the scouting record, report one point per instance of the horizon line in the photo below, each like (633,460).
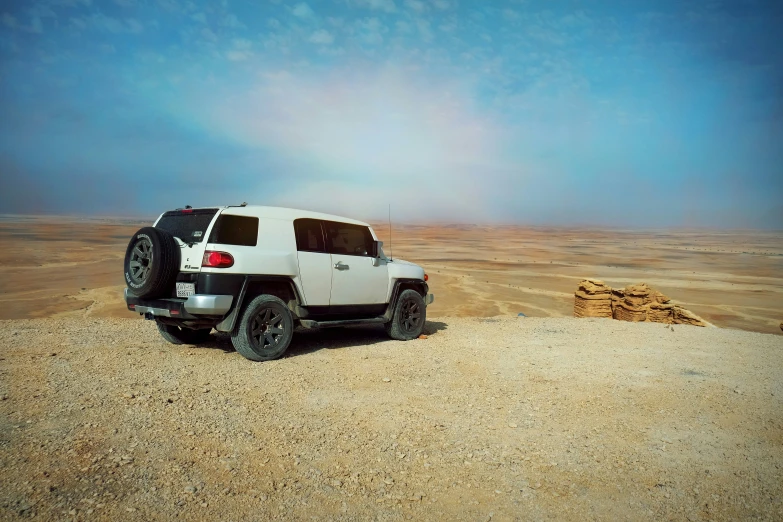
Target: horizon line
(378,224)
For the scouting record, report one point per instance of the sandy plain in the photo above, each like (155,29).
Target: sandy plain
(733,279)
(488,418)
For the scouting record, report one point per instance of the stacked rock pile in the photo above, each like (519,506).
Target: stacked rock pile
(634,303)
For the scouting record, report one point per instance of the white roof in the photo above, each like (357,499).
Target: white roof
(286,214)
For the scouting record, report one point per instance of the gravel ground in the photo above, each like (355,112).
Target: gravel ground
(486,419)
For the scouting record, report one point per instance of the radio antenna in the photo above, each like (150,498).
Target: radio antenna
(391,252)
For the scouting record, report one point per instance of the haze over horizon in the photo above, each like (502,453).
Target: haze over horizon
(655,114)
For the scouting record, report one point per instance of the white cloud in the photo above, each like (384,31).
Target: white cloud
(404,27)
(273,23)
(125,3)
(546,35)
(9,21)
(149,57)
(41,11)
(199,17)
(35,26)
(424,29)
(449,26)
(302,11)
(372,134)
(79,23)
(387,6)
(370,31)
(279,42)
(416,5)
(321,36)
(238,56)
(231,20)
(441,4)
(331,51)
(169,5)
(108,24)
(208,34)
(241,51)
(134,26)
(577,19)
(510,15)
(71,3)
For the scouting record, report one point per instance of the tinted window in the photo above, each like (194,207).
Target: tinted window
(189,226)
(235,230)
(309,237)
(353,240)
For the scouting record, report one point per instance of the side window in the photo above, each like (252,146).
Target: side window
(309,236)
(235,230)
(352,240)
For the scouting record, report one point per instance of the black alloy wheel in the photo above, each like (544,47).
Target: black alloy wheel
(267,329)
(264,330)
(411,316)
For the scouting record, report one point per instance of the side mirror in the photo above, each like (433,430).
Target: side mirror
(376,248)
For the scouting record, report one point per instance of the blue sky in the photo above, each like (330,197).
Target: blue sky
(632,113)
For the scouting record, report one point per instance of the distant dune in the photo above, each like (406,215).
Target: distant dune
(732,279)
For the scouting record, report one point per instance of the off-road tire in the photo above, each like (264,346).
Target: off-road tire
(151,263)
(265,329)
(409,317)
(177,335)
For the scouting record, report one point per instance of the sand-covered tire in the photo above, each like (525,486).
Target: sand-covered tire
(265,329)
(409,317)
(151,263)
(177,335)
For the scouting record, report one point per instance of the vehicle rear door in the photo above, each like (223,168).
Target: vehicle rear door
(315,266)
(191,227)
(357,277)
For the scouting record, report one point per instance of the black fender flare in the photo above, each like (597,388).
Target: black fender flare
(228,322)
(417,284)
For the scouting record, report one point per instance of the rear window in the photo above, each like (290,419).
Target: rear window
(235,230)
(190,226)
(309,237)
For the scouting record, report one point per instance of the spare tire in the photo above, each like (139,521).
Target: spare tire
(151,263)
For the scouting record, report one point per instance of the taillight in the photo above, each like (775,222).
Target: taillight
(214,259)
(426,277)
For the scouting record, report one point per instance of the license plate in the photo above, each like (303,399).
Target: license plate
(186,289)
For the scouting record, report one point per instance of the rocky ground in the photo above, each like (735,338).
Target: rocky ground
(486,419)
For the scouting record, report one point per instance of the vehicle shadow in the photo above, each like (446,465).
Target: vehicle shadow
(308,341)
(220,341)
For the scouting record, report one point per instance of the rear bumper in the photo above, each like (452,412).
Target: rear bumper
(181,308)
(429,299)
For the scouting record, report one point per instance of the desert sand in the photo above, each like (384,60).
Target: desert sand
(495,419)
(731,279)
(544,417)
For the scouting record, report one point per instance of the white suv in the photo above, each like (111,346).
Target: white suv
(259,272)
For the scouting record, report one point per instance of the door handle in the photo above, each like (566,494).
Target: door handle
(340,266)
